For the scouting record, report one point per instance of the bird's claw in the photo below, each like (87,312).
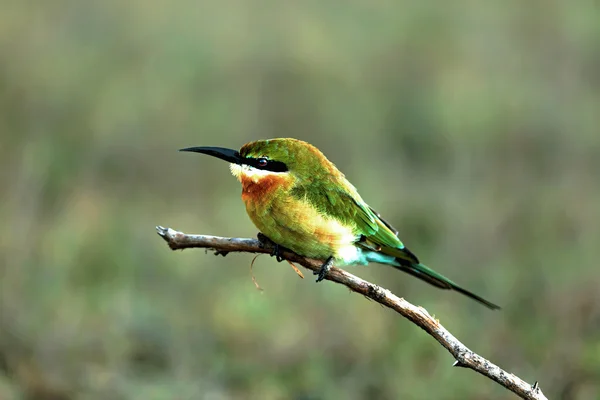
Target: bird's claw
(277,253)
(324,270)
(277,249)
(263,239)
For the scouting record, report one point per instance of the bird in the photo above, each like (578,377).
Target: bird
(301,201)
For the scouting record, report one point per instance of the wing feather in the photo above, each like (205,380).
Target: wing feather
(372,232)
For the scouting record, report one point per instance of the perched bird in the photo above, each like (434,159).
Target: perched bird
(299,200)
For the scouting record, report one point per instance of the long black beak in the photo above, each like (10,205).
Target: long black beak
(233,156)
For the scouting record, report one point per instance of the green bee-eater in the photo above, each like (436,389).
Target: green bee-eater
(299,199)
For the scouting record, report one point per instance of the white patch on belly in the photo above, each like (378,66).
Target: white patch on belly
(252,173)
(350,255)
(353,255)
(343,234)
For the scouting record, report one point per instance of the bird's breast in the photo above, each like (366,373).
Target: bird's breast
(296,224)
(290,221)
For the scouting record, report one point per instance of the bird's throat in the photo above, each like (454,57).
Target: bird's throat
(260,185)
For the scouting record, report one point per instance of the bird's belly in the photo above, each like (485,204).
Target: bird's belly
(298,226)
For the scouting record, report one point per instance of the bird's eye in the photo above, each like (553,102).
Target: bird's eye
(262,162)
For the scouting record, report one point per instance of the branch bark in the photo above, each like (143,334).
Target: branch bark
(418,315)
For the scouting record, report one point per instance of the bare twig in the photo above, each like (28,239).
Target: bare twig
(418,315)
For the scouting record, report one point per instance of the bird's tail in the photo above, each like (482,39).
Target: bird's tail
(430,276)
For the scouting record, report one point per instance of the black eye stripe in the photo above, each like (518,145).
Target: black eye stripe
(266,164)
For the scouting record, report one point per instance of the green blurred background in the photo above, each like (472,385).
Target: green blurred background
(472,127)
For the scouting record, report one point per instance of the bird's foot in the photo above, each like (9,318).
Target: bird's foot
(221,253)
(277,249)
(277,253)
(265,242)
(322,272)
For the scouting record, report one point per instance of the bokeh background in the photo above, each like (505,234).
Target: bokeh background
(472,127)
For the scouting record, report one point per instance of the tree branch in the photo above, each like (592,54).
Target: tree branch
(418,315)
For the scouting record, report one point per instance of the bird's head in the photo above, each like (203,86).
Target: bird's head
(283,157)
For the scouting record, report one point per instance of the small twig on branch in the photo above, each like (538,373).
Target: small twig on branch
(418,315)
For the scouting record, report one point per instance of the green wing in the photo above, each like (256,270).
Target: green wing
(347,207)
(374,233)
